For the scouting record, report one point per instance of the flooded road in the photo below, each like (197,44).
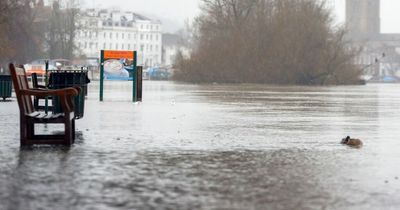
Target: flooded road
(213,147)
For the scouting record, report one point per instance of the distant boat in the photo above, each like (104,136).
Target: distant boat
(366,77)
(384,79)
(158,73)
(145,75)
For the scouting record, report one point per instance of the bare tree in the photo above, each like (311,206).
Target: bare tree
(61,30)
(268,41)
(19,37)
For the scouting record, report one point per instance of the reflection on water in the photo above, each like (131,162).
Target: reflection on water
(213,147)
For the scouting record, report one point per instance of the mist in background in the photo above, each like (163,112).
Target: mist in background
(174,13)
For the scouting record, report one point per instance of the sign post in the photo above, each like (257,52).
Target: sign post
(101,74)
(118,65)
(135,80)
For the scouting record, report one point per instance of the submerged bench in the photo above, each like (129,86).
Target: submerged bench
(29,116)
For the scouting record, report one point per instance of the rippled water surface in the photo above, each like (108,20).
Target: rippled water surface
(213,147)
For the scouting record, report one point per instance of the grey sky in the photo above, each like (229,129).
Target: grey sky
(390,14)
(173,13)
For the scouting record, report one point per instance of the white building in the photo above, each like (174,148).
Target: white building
(119,30)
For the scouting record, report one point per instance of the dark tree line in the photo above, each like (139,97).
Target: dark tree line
(268,41)
(30,30)
(61,30)
(19,33)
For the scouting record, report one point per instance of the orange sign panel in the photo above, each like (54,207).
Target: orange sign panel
(118,54)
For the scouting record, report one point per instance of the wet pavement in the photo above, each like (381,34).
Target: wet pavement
(213,147)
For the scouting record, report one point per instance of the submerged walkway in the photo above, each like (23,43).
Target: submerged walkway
(213,147)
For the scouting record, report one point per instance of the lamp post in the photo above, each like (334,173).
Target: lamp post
(46,83)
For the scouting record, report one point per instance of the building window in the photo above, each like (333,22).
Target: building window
(85,45)
(129,46)
(151,37)
(104,35)
(141,36)
(110,46)
(123,35)
(116,35)
(104,45)
(122,46)
(141,47)
(116,46)
(129,36)
(151,48)
(110,35)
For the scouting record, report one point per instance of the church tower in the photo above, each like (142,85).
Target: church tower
(363,19)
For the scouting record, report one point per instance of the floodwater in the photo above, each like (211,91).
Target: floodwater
(213,147)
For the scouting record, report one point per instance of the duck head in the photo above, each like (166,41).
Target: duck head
(345,140)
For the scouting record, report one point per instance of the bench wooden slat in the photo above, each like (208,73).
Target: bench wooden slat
(41,116)
(33,114)
(53,116)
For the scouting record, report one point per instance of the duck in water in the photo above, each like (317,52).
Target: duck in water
(352,142)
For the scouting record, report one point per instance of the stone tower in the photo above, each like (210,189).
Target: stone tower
(363,19)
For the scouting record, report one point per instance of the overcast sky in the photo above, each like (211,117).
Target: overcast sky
(173,13)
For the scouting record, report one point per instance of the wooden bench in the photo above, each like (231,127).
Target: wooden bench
(29,116)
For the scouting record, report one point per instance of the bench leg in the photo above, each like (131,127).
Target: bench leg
(73,131)
(68,133)
(23,133)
